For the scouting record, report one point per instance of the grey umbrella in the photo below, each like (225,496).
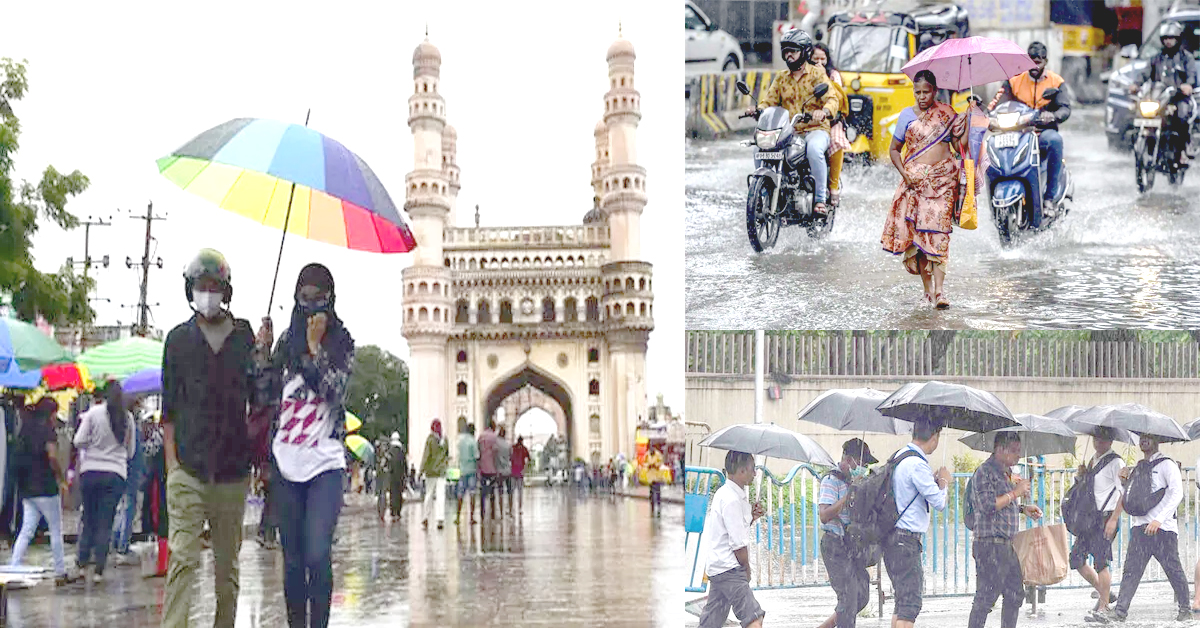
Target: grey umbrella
(853,410)
(951,405)
(1040,436)
(1068,413)
(1193,429)
(768,439)
(1133,417)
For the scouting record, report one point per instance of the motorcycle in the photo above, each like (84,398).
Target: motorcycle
(782,191)
(1017,173)
(1158,146)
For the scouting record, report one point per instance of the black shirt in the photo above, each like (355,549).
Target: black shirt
(207,396)
(35,478)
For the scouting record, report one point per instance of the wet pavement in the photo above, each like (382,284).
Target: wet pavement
(1117,260)
(1152,608)
(570,560)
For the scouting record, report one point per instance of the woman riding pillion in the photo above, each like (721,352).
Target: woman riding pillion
(923,208)
(838,142)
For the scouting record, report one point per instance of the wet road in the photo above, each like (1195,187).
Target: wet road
(1118,260)
(570,561)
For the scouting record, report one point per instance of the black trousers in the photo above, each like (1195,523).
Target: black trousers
(397,490)
(849,579)
(902,559)
(1163,547)
(997,573)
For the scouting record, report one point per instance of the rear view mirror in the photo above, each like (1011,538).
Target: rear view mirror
(743,88)
(1129,52)
(821,90)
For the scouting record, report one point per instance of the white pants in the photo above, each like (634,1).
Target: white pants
(435,499)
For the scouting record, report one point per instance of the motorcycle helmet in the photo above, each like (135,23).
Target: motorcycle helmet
(796,39)
(208,263)
(1173,30)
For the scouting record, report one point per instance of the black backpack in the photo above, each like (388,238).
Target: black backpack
(1079,505)
(872,507)
(1139,500)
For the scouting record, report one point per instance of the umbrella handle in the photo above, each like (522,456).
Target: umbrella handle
(286,219)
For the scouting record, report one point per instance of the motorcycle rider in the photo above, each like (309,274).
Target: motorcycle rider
(1028,89)
(1174,67)
(793,90)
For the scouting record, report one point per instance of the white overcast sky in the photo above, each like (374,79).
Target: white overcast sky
(114,86)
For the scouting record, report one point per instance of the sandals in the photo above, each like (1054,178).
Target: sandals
(940,302)
(820,208)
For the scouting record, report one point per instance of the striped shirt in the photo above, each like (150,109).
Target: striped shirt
(834,489)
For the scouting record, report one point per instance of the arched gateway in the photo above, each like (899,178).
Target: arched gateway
(521,317)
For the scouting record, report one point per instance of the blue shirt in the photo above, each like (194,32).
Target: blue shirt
(832,490)
(913,482)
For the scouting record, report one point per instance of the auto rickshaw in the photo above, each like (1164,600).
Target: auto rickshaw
(869,50)
(651,444)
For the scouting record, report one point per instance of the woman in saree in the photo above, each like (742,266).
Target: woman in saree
(919,225)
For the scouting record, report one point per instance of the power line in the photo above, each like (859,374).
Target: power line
(143,325)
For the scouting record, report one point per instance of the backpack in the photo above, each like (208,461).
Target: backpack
(1139,500)
(970,517)
(872,507)
(1079,505)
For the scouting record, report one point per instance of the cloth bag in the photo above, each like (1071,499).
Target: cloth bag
(1043,554)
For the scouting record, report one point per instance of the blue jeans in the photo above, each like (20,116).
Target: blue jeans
(136,476)
(1051,143)
(101,492)
(816,144)
(308,513)
(36,508)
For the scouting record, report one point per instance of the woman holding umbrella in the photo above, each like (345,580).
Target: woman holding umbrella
(310,368)
(919,225)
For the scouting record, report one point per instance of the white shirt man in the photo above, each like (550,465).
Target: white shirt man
(1165,475)
(727,528)
(1106,484)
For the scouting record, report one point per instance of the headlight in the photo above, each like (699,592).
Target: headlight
(1148,108)
(856,85)
(856,105)
(1022,153)
(1008,120)
(851,133)
(767,140)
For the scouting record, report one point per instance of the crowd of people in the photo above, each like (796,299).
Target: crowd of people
(1150,493)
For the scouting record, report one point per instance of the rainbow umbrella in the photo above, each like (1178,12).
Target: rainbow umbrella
(292,178)
(360,448)
(352,422)
(28,346)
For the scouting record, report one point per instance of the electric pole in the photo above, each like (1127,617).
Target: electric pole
(143,325)
(87,263)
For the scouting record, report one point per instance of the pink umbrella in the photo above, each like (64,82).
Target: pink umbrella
(960,64)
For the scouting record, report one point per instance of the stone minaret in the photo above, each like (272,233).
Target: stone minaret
(600,166)
(628,296)
(450,169)
(428,301)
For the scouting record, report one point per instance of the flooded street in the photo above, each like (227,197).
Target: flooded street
(570,561)
(1117,260)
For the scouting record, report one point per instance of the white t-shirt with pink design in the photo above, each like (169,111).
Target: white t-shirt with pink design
(304,446)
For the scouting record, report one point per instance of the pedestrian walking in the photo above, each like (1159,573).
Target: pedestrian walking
(520,457)
(105,436)
(215,375)
(1152,498)
(654,475)
(994,494)
(310,369)
(42,484)
(397,466)
(433,467)
(918,488)
(488,474)
(847,574)
(135,475)
(468,472)
(268,523)
(727,542)
(504,472)
(1104,474)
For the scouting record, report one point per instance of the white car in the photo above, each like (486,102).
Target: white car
(708,48)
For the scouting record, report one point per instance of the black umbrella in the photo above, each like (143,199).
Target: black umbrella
(949,405)
(1068,413)
(1040,436)
(853,410)
(768,439)
(1133,417)
(1193,429)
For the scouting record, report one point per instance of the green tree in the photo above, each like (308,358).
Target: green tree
(60,298)
(378,393)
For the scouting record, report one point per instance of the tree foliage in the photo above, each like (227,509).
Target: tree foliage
(61,298)
(378,393)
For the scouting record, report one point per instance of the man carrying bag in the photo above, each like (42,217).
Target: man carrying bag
(1091,511)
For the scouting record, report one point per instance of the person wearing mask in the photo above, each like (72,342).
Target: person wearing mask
(504,472)
(468,472)
(42,484)
(847,575)
(994,494)
(520,458)
(917,490)
(310,369)
(433,467)
(1154,534)
(488,474)
(1174,66)
(215,377)
(727,546)
(1106,468)
(105,437)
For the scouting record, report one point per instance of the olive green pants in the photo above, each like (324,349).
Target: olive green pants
(191,502)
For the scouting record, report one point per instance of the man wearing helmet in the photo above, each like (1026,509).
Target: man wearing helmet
(1029,88)
(793,90)
(1175,67)
(213,370)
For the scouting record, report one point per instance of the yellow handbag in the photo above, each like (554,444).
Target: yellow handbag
(969,217)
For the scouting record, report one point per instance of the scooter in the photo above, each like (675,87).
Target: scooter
(1017,174)
(782,191)
(1159,146)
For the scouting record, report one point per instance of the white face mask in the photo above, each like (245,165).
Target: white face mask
(208,304)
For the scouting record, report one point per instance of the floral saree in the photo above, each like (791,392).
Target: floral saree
(922,216)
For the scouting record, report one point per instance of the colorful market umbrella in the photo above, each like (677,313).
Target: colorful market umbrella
(67,376)
(360,448)
(122,358)
(27,346)
(292,178)
(17,379)
(963,63)
(148,381)
(352,422)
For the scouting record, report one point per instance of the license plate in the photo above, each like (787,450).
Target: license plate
(1144,122)
(768,155)
(1007,140)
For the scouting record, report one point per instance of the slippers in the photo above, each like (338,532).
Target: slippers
(942,303)
(820,208)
